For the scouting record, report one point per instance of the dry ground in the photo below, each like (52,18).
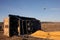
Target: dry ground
(2,37)
(50,30)
(48,35)
(53,28)
(50,26)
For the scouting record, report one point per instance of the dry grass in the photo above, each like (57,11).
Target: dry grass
(47,35)
(51,31)
(53,26)
(2,37)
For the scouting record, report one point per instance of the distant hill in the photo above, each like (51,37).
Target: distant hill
(47,22)
(50,22)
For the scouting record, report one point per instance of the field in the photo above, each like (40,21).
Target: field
(50,26)
(2,37)
(50,31)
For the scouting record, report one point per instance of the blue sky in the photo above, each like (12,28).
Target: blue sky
(44,10)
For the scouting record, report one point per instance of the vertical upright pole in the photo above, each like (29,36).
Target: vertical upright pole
(19,27)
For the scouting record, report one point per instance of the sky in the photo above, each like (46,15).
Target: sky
(43,10)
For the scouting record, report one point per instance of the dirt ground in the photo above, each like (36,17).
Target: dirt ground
(48,35)
(47,27)
(50,26)
(2,37)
